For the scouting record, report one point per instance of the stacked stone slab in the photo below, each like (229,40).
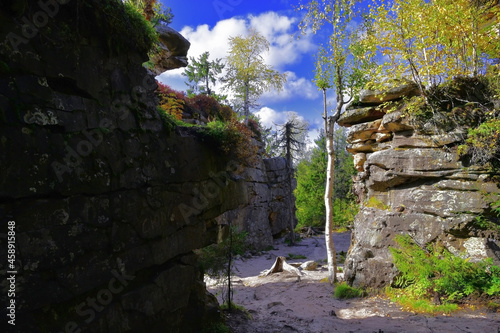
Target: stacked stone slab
(411,181)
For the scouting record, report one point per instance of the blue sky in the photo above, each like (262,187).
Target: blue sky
(207,25)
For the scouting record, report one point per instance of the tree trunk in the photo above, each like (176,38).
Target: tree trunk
(281,265)
(229,263)
(288,134)
(207,80)
(330,173)
(246,106)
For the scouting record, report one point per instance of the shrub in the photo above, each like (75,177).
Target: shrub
(213,258)
(171,101)
(344,291)
(434,272)
(216,260)
(254,126)
(483,143)
(233,138)
(211,107)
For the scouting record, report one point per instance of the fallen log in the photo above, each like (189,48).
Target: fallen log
(281,265)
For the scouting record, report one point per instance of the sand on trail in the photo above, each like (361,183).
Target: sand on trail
(281,302)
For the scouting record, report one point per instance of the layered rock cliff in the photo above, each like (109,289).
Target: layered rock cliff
(108,200)
(412,181)
(269,210)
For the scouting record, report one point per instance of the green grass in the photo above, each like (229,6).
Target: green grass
(344,291)
(216,328)
(236,307)
(419,305)
(296,256)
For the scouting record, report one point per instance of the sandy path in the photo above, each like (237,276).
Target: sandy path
(281,303)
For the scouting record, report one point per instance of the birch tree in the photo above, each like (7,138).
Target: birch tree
(341,68)
(248,76)
(431,41)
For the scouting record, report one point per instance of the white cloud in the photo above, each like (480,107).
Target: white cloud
(311,136)
(278,31)
(269,117)
(284,50)
(294,87)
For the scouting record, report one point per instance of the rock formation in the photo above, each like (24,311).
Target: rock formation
(271,203)
(173,52)
(108,200)
(411,181)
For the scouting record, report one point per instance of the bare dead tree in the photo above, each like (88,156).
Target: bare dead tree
(291,139)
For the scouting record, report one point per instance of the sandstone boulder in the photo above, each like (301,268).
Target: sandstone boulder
(392,90)
(362,115)
(309,265)
(173,50)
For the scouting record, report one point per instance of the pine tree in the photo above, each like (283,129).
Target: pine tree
(202,75)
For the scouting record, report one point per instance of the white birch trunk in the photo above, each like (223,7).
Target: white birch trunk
(330,172)
(331,255)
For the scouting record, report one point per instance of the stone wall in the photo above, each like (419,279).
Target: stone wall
(412,181)
(271,203)
(108,201)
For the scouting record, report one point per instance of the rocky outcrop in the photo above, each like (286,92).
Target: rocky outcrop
(271,203)
(107,201)
(412,181)
(173,50)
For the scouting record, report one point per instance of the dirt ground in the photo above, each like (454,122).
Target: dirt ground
(283,303)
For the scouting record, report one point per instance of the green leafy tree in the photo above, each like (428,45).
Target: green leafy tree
(340,66)
(344,201)
(430,41)
(311,181)
(248,76)
(203,74)
(310,190)
(154,11)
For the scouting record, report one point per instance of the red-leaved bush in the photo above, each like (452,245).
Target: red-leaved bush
(171,101)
